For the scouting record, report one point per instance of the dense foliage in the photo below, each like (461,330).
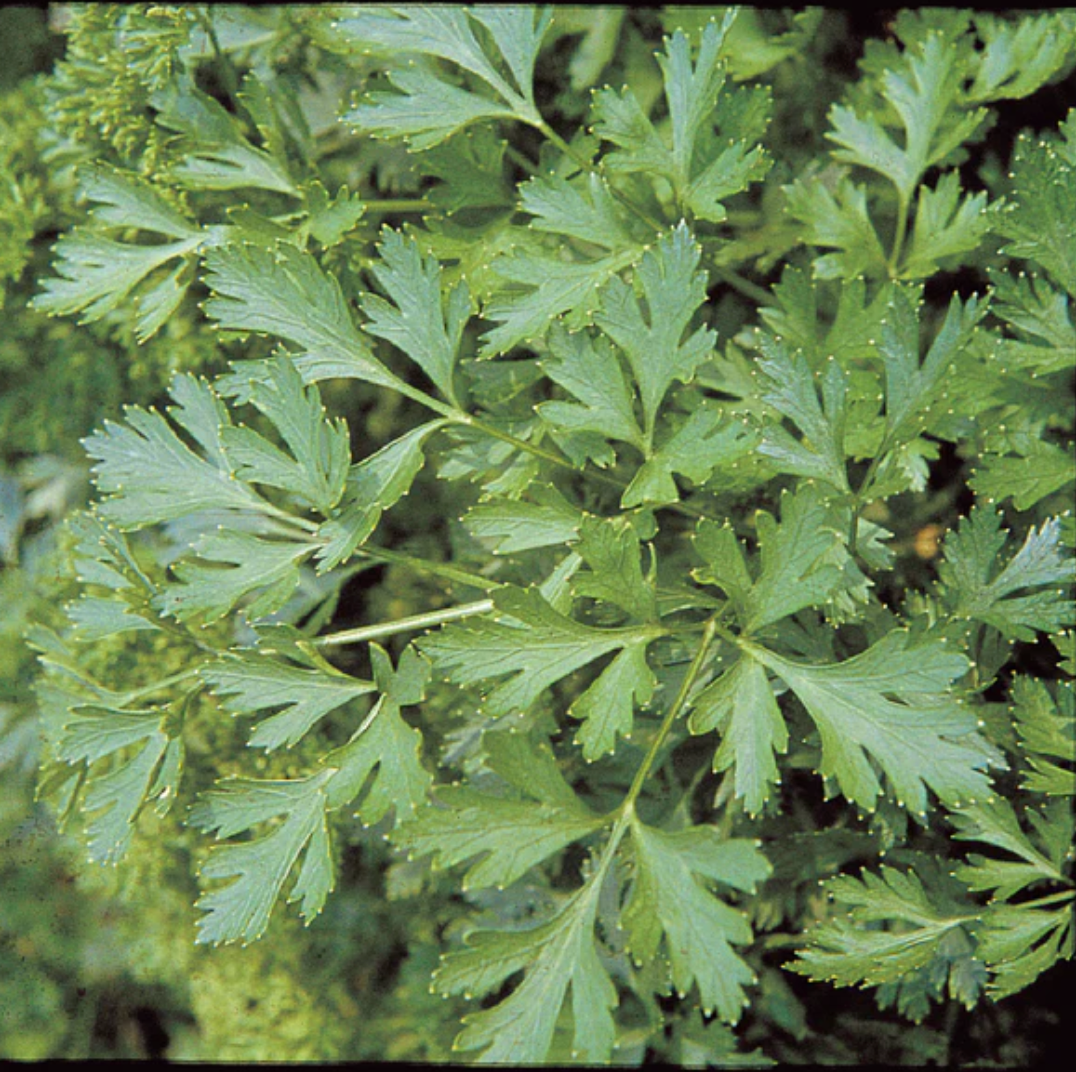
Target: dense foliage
(571,504)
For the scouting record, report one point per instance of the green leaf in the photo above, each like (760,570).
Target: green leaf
(656,345)
(428,108)
(146,762)
(126,200)
(232,167)
(890,703)
(154,476)
(528,766)
(946,225)
(320,447)
(331,218)
(1039,219)
(259,868)
(1020,57)
(373,486)
(254,682)
(849,949)
(544,281)
(994,822)
(725,565)
(416,319)
(118,797)
(705,441)
(512,525)
(704,168)
(97,273)
(1039,314)
(801,318)
(924,91)
(607,707)
(910,388)
(425,111)
(614,574)
(102,557)
(284,292)
(796,560)
(555,956)
(500,467)
(582,209)
(741,706)
(470,166)
(130,755)
(1047,730)
(95,618)
(229,566)
(792,392)
(588,368)
(837,218)
(214,153)
(1029,473)
(509,833)
(386,743)
(751,47)
(976,588)
(542,287)
(1019,943)
(528,639)
(150,475)
(700,930)
(299,808)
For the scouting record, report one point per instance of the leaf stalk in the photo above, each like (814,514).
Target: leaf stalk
(413,623)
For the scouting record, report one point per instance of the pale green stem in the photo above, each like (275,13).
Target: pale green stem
(517,157)
(675,710)
(626,812)
(425,565)
(898,238)
(859,499)
(287,519)
(413,204)
(227,68)
(757,294)
(414,623)
(164,683)
(781,941)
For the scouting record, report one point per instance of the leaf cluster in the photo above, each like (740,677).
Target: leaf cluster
(680,608)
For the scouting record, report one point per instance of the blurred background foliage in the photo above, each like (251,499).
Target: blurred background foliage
(100,962)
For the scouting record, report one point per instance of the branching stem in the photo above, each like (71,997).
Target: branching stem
(626,812)
(675,710)
(459,416)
